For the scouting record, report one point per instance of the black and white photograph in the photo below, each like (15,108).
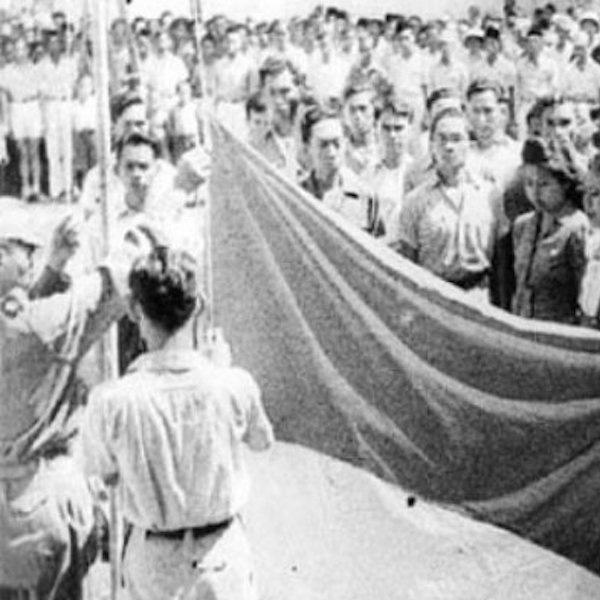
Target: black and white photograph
(299,301)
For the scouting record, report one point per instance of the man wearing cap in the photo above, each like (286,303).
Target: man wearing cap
(474,44)
(46,508)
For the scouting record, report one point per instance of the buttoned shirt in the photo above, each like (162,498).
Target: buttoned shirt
(350,197)
(165,73)
(549,266)
(172,428)
(327,79)
(452,230)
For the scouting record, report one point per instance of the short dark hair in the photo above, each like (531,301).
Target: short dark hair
(398,107)
(127,104)
(271,67)
(451,112)
(358,86)
(481,85)
(165,285)
(313,115)
(439,94)
(255,104)
(138,139)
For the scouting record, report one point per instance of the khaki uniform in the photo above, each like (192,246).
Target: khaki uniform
(46,510)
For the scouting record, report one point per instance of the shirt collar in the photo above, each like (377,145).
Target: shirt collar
(168,360)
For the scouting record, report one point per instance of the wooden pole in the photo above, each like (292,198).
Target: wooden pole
(196,10)
(109,347)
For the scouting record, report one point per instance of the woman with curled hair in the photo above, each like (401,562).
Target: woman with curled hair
(169,434)
(549,242)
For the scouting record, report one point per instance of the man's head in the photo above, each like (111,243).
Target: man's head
(18,244)
(21,50)
(450,140)
(484,109)
(257,116)
(404,39)
(137,155)
(132,118)
(277,36)
(492,43)
(441,99)
(280,92)
(323,137)
(164,42)
(535,42)
(474,39)
(233,40)
(562,123)
(395,121)
(54,46)
(359,109)
(164,292)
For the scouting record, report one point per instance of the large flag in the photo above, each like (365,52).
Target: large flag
(365,357)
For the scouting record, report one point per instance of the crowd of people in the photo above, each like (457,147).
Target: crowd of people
(399,124)
(470,146)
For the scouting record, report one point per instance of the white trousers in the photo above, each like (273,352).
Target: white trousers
(214,567)
(59,146)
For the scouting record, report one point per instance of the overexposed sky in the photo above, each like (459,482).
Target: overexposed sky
(264,9)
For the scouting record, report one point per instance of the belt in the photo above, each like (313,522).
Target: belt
(196,532)
(472,280)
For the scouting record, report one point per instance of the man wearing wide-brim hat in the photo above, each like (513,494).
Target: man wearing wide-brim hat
(46,508)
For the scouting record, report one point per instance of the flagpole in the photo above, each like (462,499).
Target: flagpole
(109,346)
(196,10)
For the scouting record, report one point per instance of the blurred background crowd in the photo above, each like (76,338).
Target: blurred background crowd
(469,144)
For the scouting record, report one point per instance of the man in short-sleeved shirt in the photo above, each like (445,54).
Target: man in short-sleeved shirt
(449,224)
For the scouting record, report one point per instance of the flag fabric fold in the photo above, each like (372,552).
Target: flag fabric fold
(366,357)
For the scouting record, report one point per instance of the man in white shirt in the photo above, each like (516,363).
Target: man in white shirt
(166,72)
(235,81)
(21,81)
(183,498)
(493,153)
(537,76)
(394,127)
(405,71)
(580,81)
(448,71)
(328,71)
(58,74)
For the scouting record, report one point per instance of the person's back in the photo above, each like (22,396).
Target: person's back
(186,419)
(170,434)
